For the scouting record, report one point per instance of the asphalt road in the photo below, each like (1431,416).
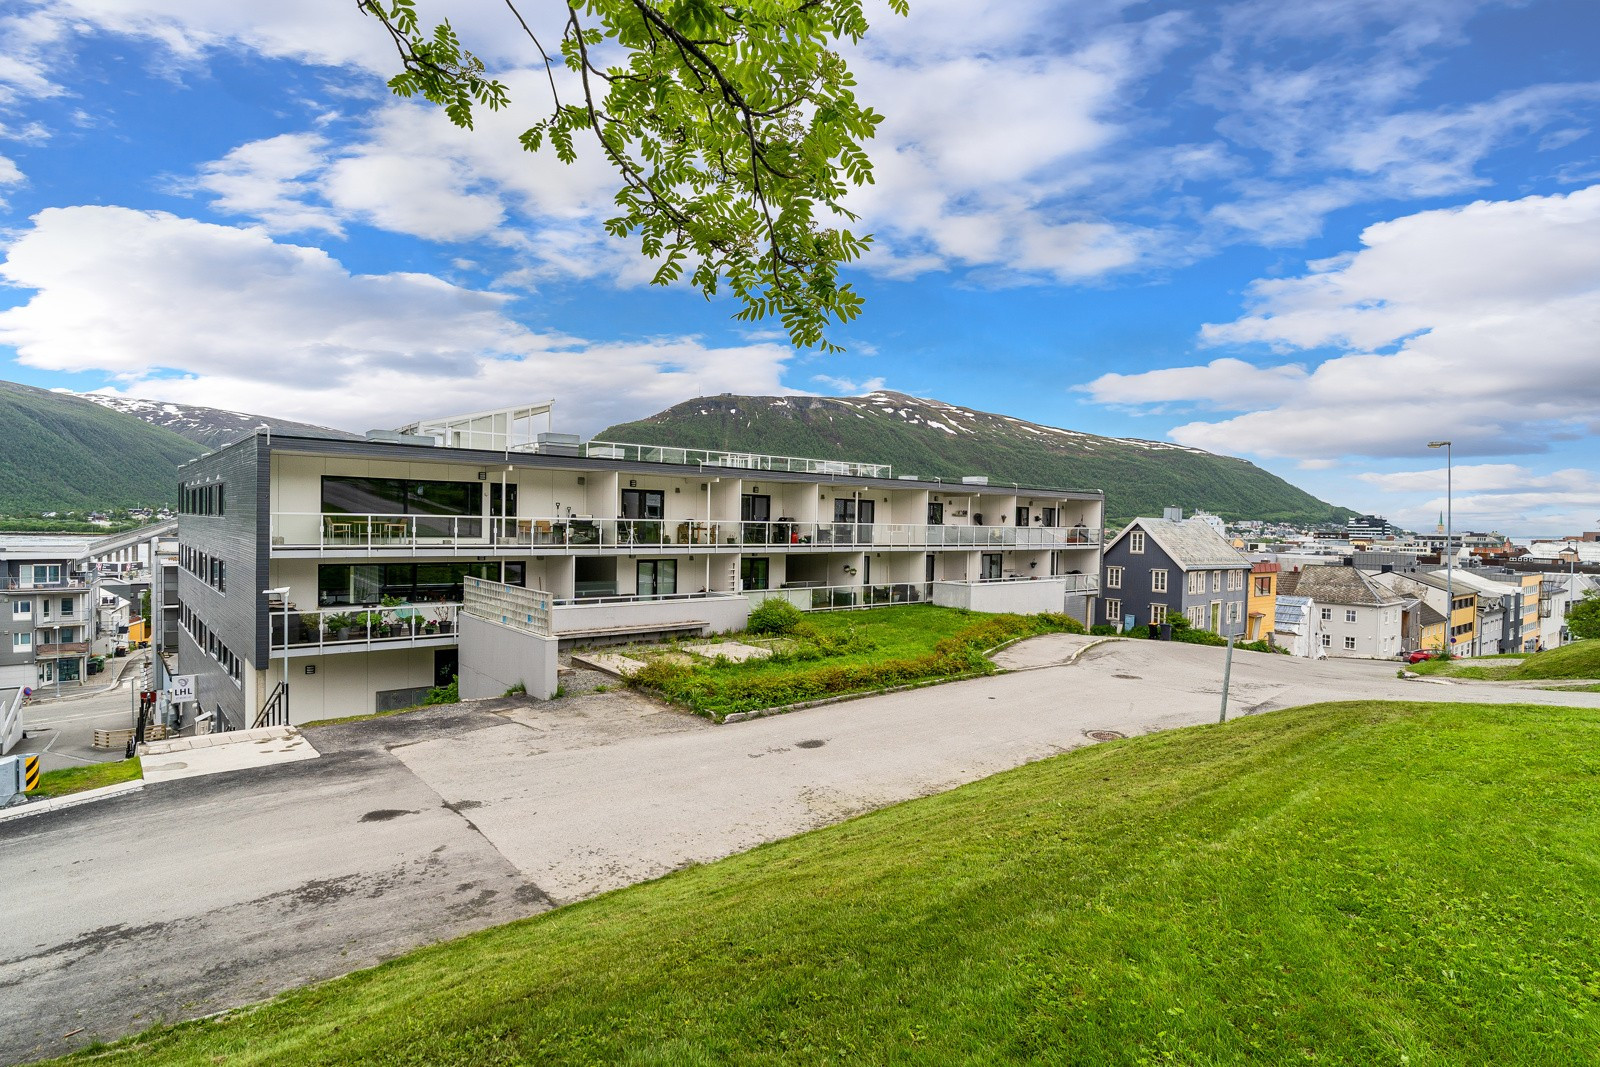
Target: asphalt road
(197,895)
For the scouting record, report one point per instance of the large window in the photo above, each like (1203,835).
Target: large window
(445,509)
(1158,581)
(1113,611)
(1136,542)
(1158,614)
(755,507)
(1113,577)
(935,514)
(753,573)
(643,503)
(371,583)
(658,577)
(854,511)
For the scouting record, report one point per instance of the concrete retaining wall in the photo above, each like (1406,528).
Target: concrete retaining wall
(1023,598)
(495,658)
(720,614)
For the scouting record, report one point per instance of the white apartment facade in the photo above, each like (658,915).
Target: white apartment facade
(337,567)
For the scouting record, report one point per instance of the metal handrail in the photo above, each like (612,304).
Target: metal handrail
(410,620)
(377,532)
(702,457)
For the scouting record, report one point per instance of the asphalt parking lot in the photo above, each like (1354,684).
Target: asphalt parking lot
(200,894)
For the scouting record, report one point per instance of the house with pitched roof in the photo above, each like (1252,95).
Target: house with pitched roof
(1357,617)
(1171,566)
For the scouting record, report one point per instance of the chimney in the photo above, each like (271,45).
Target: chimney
(1172,514)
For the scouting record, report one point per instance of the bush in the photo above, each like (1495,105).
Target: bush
(445,694)
(1103,629)
(774,616)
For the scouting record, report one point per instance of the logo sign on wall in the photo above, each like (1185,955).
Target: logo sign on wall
(180,688)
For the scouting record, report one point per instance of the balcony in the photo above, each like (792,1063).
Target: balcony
(75,583)
(699,457)
(373,629)
(61,649)
(377,534)
(832,597)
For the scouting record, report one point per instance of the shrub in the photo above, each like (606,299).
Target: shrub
(1191,636)
(445,694)
(774,616)
(1103,629)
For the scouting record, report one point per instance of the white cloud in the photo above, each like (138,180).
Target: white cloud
(1480,324)
(1504,496)
(849,386)
(187,311)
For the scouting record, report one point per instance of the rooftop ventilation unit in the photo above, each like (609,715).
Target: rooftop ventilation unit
(975,479)
(395,437)
(559,444)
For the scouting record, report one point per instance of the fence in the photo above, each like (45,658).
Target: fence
(509,605)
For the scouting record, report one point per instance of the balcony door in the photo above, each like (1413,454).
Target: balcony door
(991,567)
(657,577)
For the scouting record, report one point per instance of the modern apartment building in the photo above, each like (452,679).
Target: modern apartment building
(337,567)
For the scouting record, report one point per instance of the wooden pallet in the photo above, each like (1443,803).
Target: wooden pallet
(118,739)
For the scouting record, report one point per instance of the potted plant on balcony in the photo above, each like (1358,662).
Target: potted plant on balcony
(442,616)
(310,627)
(338,624)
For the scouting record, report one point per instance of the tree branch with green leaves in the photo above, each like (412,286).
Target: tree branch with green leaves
(733,127)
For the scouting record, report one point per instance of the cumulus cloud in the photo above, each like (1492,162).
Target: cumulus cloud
(193,312)
(1479,323)
(849,386)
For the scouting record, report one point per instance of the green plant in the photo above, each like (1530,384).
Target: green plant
(520,688)
(445,694)
(774,616)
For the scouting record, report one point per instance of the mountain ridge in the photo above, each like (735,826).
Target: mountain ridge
(936,439)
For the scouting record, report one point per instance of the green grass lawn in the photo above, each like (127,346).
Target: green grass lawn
(843,652)
(1355,883)
(1581,659)
(90,776)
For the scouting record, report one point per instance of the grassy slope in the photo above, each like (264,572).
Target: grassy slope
(1581,659)
(61,453)
(876,634)
(1137,481)
(1350,883)
(67,780)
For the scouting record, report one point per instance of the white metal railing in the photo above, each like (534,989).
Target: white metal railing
(364,628)
(744,460)
(76,582)
(376,533)
(830,597)
(636,598)
(509,605)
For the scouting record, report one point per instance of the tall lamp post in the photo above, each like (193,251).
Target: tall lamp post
(1449,553)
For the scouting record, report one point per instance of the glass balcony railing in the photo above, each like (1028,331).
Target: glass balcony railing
(365,628)
(377,533)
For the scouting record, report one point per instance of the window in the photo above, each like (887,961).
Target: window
(67,607)
(753,573)
(1235,580)
(1158,614)
(1048,516)
(1350,644)
(755,507)
(21,641)
(1197,581)
(935,514)
(1350,615)
(1327,614)
(1327,641)
(1216,581)
(1196,617)
(1263,587)
(1113,611)
(1113,577)
(1024,518)
(1136,542)
(657,577)
(21,609)
(1158,581)
(46,573)
(643,503)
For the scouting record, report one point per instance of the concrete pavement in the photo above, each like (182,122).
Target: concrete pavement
(199,894)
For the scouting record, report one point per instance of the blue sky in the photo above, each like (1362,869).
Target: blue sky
(1314,234)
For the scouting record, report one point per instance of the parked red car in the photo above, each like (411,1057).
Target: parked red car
(1421,654)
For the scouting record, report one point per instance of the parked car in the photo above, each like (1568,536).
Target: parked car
(1421,654)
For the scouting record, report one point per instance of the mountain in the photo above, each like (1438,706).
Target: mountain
(59,452)
(211,427)
(932,439)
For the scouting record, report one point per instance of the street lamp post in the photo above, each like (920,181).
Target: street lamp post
(1449,553)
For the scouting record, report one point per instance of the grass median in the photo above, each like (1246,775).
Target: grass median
(1346,883)
(68,780)
(1581,659)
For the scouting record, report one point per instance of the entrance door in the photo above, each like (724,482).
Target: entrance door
(991,567)
(503,505)
(658,577)
(1216,616)
(446,665)
(928,566)
(753,572)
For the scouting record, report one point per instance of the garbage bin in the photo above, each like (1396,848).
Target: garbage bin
(1166,631)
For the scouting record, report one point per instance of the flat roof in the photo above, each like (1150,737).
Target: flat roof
(309,445)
